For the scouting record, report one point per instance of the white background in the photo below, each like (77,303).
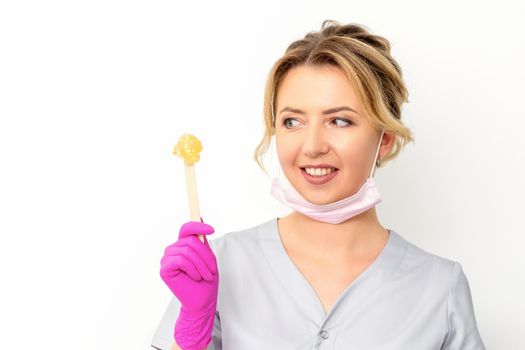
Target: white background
(94,94)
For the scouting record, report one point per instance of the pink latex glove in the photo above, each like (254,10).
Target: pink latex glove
(189,268)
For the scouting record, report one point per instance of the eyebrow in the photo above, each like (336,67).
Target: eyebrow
(328,111)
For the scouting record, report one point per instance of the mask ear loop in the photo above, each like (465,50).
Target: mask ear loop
(274,147)
(276,165)
(280,176)
(377,152)
(276,170)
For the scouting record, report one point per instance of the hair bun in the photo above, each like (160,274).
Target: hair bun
(355,31)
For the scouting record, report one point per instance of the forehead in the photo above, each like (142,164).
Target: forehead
(316,87)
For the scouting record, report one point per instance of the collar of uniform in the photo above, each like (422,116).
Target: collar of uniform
(302,293)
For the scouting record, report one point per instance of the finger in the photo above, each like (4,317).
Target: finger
(180,262)
(167,272)
(204,252)
(191,254)
(201,256)
(195,228)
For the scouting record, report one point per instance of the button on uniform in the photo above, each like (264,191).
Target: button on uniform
(323,334)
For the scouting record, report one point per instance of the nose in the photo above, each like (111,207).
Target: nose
(315,142)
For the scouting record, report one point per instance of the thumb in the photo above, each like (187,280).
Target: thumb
(195,228)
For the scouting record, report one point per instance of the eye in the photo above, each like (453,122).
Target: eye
(285,120)
(344,120)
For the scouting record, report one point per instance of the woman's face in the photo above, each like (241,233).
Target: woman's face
(307,133)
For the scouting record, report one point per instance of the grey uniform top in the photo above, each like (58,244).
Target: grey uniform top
(406,299)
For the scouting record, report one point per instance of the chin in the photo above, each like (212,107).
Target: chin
(321,202)
(319,199)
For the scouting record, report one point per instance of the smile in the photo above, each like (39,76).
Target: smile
(319,177)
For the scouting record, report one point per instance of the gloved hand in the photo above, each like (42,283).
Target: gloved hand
(189,268)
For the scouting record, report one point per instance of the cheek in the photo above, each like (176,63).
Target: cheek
(286,151)
(352,154)
(286,158)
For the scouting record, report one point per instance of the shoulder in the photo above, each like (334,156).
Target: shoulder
(439,283)
(421,262)
(239,253)
(447,283)
(244,240)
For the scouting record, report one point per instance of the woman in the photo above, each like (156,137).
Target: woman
(328,275)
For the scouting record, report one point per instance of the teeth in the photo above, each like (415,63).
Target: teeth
(318,171)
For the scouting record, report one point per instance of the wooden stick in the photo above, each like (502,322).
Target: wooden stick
(193,200)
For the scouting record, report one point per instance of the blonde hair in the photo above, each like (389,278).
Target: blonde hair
(366,61)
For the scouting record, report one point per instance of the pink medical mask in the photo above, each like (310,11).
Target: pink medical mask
(334,213)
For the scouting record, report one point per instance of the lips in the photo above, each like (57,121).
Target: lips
(323,165)
(319,180)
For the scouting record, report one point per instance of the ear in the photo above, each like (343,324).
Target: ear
(386,144)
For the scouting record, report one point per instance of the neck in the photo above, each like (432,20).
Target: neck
(357,235)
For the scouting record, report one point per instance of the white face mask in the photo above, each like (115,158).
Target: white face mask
(334,213)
